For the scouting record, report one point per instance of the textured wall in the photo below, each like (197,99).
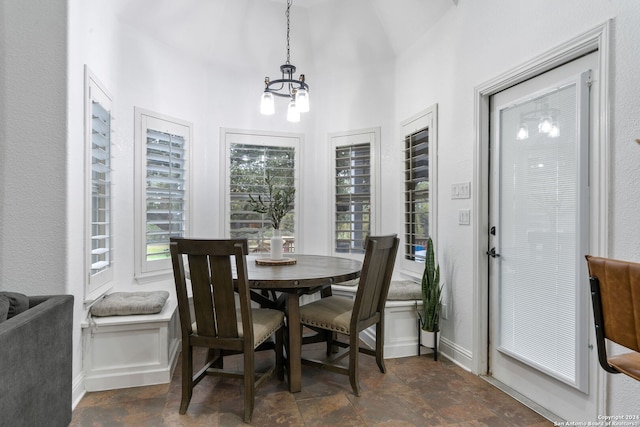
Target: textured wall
(34,123)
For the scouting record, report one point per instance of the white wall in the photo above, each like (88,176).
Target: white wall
(476,42)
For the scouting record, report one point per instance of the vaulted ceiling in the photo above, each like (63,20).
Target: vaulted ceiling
(324,33)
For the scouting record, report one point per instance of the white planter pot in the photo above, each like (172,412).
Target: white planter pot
(430,340)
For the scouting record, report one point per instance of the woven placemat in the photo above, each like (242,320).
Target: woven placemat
(269,261)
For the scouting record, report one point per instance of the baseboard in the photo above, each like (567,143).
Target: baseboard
(128,379)
(457,354)
(77,390)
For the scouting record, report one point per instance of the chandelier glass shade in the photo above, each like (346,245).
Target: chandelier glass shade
(296,90)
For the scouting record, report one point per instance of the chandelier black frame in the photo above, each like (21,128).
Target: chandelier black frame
(297,90)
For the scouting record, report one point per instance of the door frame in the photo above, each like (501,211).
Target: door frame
(596,40)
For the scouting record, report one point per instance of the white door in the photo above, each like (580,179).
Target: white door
(539,234)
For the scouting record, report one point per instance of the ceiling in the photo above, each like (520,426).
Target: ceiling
(324,33)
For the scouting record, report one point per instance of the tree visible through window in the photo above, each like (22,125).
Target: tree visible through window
(248,168)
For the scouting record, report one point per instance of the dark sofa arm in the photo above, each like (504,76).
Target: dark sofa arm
(36,351)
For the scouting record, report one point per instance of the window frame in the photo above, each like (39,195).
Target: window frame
(425,119)
(100,282)
(349,138)
(145,270)
(260,138)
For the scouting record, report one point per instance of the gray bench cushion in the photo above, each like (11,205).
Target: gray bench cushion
(128,303)
(402,290)
(399,290)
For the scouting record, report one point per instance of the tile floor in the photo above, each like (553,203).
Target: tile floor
(415,391)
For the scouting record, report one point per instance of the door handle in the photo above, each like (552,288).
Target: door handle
(492,253)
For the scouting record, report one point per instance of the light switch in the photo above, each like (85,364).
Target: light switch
(461,190)
(454,191)
(464,217)
(465,192)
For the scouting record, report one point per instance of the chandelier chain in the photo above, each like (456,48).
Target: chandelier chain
(288,28)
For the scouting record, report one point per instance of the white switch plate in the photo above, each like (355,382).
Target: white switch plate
(464,217)
(465,190)
(461,190)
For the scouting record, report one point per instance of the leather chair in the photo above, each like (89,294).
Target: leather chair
(342,315)
(615,295)
(223,321)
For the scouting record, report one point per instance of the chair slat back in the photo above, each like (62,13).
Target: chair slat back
(619,283)
(212,286)
(375,277)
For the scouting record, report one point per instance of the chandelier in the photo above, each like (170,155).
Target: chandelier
(296,90)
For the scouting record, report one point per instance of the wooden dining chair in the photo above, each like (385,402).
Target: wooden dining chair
(615,295)
(346,316)
(223,320)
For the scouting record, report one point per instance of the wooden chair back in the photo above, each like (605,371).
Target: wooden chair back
(375,279)
(217,298)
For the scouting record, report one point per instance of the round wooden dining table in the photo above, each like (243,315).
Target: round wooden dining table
(309,273)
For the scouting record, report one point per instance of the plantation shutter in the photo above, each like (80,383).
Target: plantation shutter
(100,188)
(165,191)
(416,194)
(353,197)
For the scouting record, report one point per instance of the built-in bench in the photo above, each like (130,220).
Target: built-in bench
(131,351)
(401,317)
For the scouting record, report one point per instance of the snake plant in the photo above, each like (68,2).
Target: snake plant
(431,292)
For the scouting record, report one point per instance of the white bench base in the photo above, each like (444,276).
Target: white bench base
(400,328)
(131,351)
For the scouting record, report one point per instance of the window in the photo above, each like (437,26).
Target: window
(249,157)
(419,187)
(162,197)
(99,232)
(353,197)
(354,188)
(416,194)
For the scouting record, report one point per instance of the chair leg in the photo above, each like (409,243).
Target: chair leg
(187,377)
(353,363)
(280,353)
(249,384)
(329,336)
(380,345)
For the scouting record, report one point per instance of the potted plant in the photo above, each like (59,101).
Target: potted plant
(429,315)
(275,204)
